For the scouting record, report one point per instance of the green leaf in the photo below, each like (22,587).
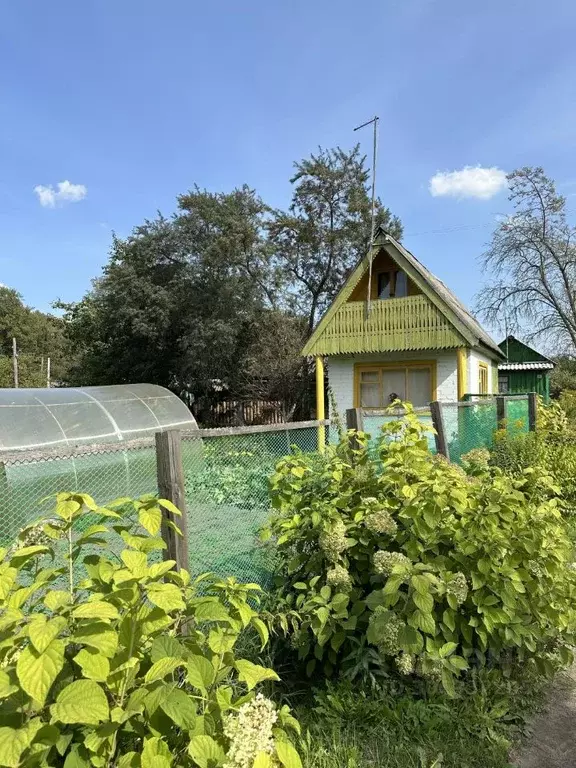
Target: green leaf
(36,672)
(425,622)
(392,585)
(42,632)
(206,752)
(159,569)
(288,755)
(211,610)
(166,596)
(458,663)
(420,584)
(221,641)
(252,674)
(410,640)
(165,645)
(98,635)
(262,630)
(74,759)
(24,554)
(200,673)
(94,665)
(129,760)
(181,708)
(83,701)
(162,668)
(150,518)
(263,760)
(448,619)
(97,609)
(156,754)
(6,687)
(448,682)
(13,742)
(136,562)
(423,601)
(375,599)
(167,504)
(447,649)
(56,599)
(7,578)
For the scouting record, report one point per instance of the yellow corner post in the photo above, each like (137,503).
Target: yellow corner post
(462,368)
(320,406)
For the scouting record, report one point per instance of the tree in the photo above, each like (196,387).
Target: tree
(531,264)
(177,301)
(327,228)
(38,336)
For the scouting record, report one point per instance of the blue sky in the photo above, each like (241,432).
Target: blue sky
(134,102)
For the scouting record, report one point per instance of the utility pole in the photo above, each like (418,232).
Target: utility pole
(48,372)
(15,361)
(373,122)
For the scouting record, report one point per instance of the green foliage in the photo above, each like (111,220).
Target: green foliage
(416,725)
(417,565)
(563,376)
(38,336)
(546,458)
(126,661)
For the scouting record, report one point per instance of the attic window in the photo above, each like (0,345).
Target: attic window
(392,285)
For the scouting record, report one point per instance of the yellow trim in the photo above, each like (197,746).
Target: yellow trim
(320,406)
(483,380)
(462,368)
(406,364)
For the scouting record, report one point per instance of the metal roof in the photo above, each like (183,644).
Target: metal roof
(538,366)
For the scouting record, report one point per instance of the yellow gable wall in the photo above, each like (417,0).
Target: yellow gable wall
(382,263)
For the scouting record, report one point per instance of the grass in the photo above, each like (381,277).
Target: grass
(347,727)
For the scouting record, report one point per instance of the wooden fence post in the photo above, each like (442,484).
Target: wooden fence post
(438,423)
(532,410)
(500,412)
(355,421)
(170,474)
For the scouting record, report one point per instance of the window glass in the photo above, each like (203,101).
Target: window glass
(370,389)
(482,379)
(419,386)
(503,384)
(394,385)
(384,285)
(401,287)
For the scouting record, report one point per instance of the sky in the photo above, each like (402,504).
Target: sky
(111,108)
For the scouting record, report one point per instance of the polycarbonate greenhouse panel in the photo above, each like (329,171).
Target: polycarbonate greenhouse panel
(32,419)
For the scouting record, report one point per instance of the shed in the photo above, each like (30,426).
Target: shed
(524,370)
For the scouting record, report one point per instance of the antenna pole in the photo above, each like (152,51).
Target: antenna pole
(374,122)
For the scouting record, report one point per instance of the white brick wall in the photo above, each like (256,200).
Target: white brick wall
(341,373)
(475,357)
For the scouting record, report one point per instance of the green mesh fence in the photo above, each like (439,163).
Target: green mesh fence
(517,415)
(226,490)
(468,426)
(227,494)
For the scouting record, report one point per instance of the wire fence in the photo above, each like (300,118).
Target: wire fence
(226,474)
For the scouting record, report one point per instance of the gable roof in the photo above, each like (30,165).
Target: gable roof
(437,292)
(517,353)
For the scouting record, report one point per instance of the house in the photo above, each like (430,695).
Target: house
(524,370)
(414,340)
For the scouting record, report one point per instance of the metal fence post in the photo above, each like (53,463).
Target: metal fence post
(170,474)
(500,412)
(438,423)
(532,410)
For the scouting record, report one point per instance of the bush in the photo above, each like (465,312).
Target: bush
(550,451)
(123,660)
(415,565)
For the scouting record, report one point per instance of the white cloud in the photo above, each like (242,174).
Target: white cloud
(478,182)
(65,192)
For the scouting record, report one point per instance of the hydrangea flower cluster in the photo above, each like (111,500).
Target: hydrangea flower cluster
(339,577)
(432,669)
(458,586)
(405,663)
(535,568)
(250,732)
(388,641)
(381,522)
(333,542)
(385,562)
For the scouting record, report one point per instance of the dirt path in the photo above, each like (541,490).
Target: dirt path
(552,739)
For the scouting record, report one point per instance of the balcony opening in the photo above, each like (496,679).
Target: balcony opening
(392,284)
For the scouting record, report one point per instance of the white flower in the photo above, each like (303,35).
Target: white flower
(250,732)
